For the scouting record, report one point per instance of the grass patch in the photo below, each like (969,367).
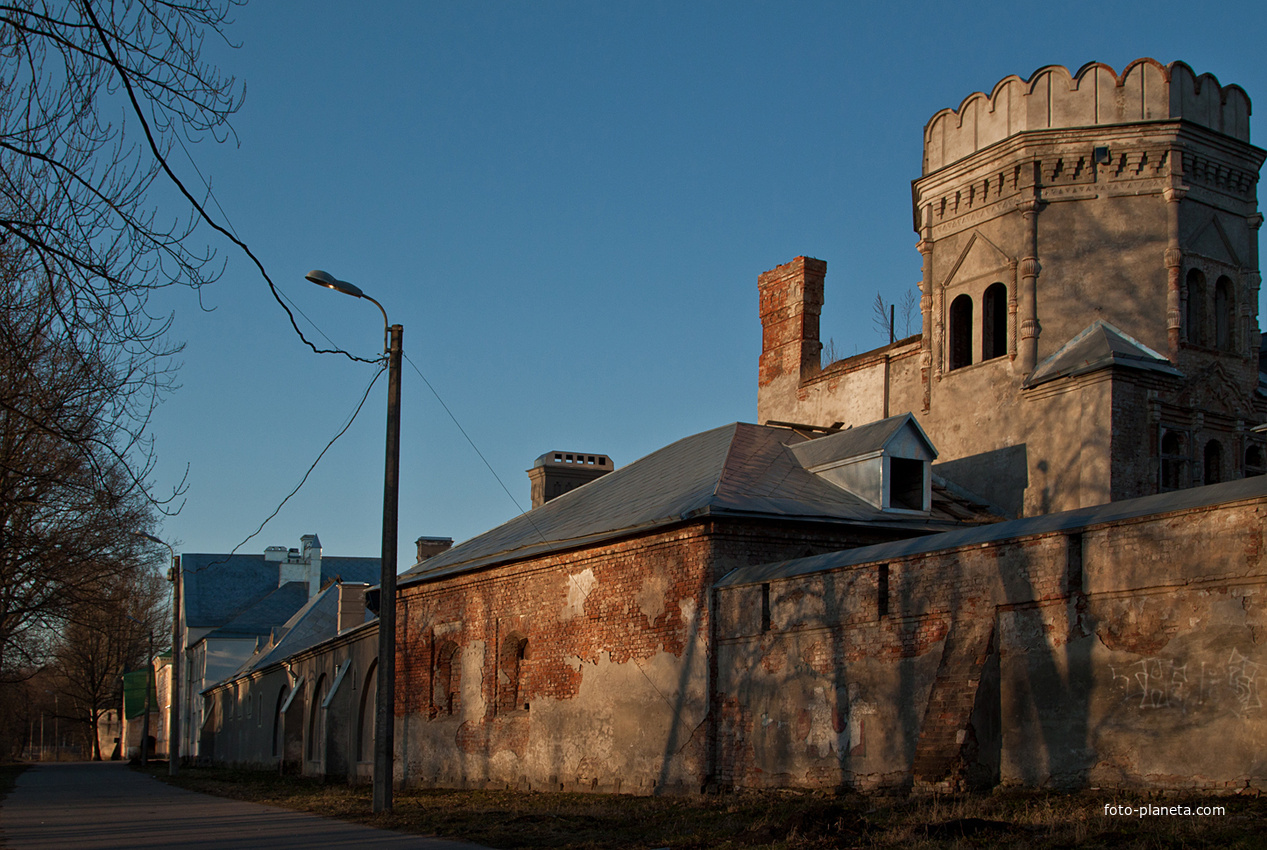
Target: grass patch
(512,820)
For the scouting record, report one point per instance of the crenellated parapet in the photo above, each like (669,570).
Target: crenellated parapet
(1095,95)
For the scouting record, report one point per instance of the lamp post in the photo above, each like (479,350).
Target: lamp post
(173,710)
(385,705)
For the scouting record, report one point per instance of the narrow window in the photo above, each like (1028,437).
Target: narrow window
(994,322)
(1224,315)
(961,332)
(447,679)
(882,591)
(514,689)
(1254,464)
(765,607)
(1213,462)
(1196,308)
(316,728)
(278,722)
(365,717)
(1174,461)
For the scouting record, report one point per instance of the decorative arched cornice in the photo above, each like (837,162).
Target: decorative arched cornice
(1094,95)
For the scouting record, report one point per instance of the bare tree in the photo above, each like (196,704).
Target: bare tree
(105,636)
(70,506)
(94,96)
(894,321)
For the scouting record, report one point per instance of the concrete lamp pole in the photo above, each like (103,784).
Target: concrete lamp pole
(385,705)
(173,710)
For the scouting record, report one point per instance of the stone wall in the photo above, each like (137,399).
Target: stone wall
(1120,654)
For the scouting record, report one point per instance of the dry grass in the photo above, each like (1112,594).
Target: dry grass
(778,821)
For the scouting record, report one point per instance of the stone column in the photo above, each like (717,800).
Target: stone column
(925,247)
(1029,268)
(1174,268)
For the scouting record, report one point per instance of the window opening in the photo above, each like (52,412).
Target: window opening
(994,322)
(961,332)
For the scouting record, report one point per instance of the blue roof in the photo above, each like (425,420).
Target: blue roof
(218,589)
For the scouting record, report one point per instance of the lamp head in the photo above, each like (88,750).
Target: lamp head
(329,281)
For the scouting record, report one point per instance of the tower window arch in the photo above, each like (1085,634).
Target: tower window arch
(960,332)
(1195,316)
(1224,315)
(994,322)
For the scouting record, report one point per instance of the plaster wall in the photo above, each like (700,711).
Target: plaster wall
(1126,654)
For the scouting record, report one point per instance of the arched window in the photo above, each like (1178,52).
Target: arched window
(447,680)
(1224,315)
(994,322)
(1196,308)
(1254,462)
(1213,467)
(279,725)
(365,715)
(1174,461)
(960,348)
(316,718)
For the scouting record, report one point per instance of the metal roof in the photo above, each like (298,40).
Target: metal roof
(738,470)
(1066,521)
(1100,346)
(218,588)
(314,622)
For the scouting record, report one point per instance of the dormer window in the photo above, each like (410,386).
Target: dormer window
(886,463)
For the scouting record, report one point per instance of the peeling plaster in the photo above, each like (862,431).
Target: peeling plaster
(579,587)
(650,596)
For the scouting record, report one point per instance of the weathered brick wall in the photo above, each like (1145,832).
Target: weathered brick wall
(615,674)
(1124,654)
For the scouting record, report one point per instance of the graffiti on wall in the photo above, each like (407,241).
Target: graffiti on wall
(1168,683)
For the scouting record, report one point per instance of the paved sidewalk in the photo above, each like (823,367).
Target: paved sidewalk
(106,806)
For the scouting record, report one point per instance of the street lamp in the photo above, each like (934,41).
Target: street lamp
(173,710)
(385,706)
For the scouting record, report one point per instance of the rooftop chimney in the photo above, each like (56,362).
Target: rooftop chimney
(303,564)
(429,547)
(555,473)
(351,606)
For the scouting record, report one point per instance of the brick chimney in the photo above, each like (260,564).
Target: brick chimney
(429,547)
(791,298)
(555,473)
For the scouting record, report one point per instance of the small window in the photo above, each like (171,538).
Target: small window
(994,322)
(1254,463)
(906,484)
(447,679)
(1224,315)
(882,591)
(960,348)
(1213,467)
(1196,308)
(513,690)
(1174,461)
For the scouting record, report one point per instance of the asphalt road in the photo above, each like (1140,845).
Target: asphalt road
(106,806)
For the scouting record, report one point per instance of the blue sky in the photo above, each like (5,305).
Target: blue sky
(566,204)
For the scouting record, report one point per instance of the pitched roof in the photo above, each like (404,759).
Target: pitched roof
(738,470)
(216,589)
(1099,346)
(314,622)
(1066,521)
